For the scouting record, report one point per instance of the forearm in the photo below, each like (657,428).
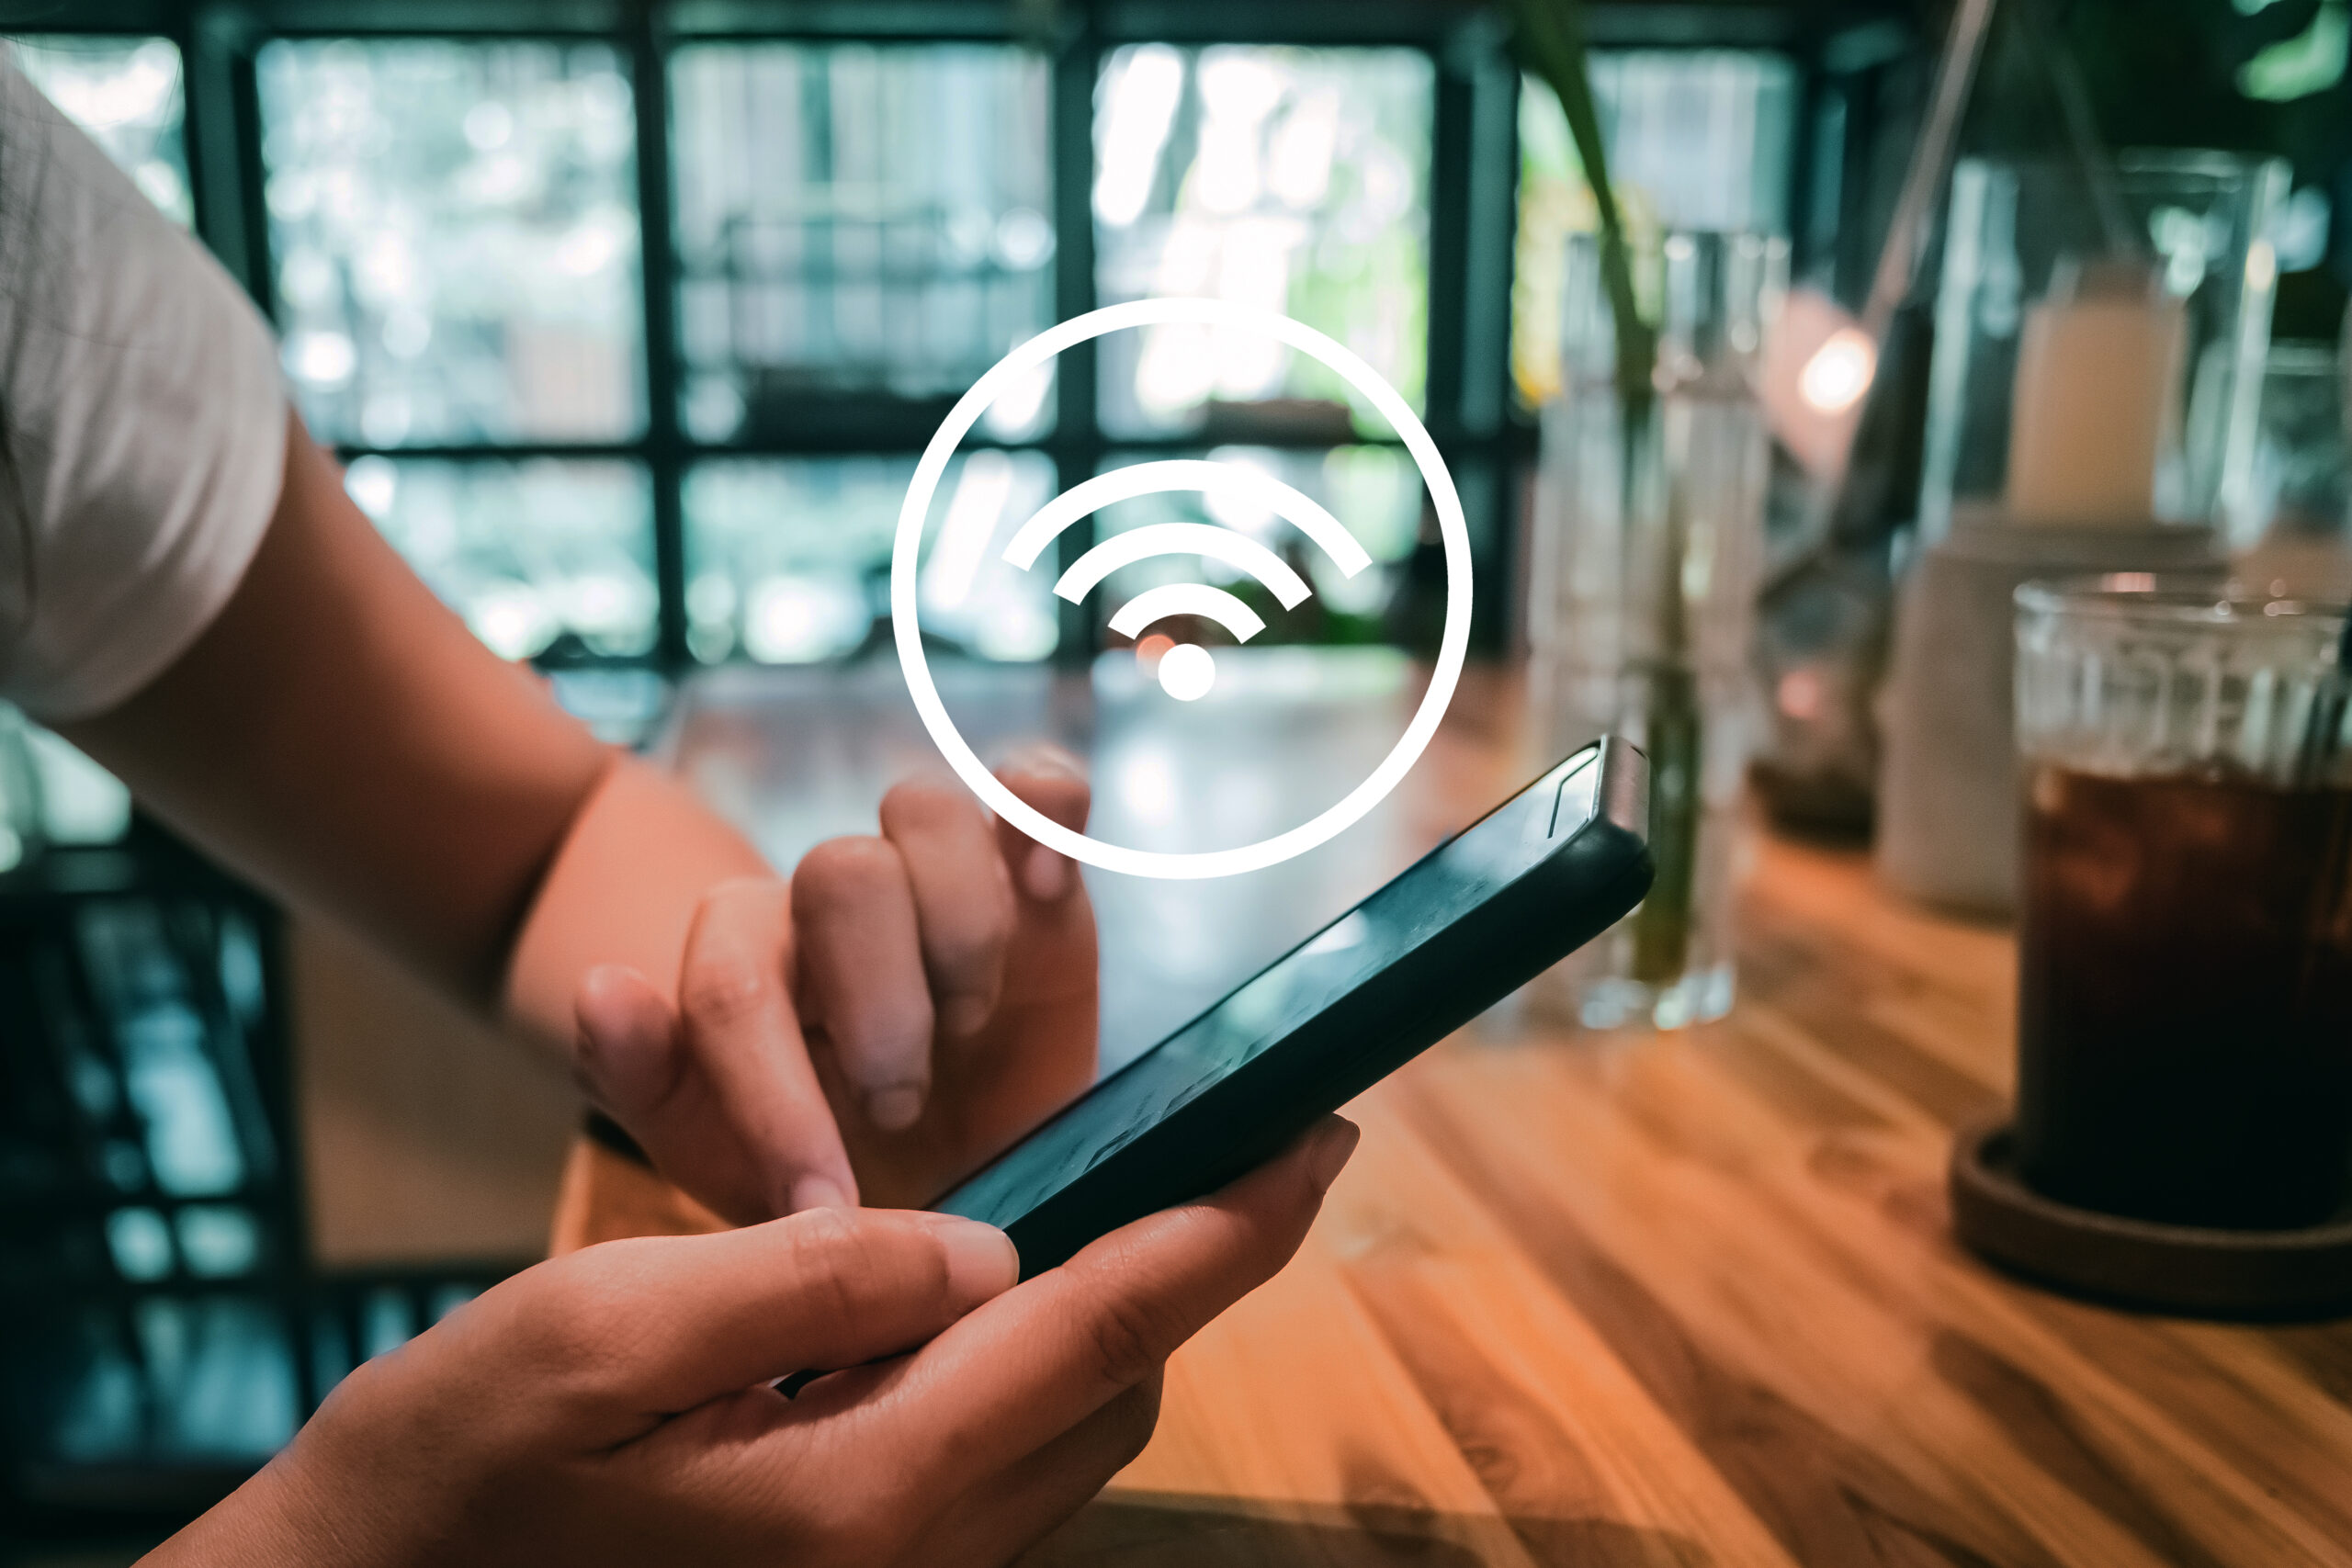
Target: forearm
(339,737)
(622,889)
(272,1521)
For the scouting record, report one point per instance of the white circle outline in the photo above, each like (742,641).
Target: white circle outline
(1453,646)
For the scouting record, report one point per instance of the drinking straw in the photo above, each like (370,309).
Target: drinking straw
(1854,512)
(2121,236)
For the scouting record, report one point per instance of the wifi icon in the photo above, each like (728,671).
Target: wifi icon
(1188,671)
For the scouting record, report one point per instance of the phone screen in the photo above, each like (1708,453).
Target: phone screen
(1287,994)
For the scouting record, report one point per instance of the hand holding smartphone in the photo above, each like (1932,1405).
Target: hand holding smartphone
(1470,922)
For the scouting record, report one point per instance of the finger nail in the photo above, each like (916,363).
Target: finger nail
(593,1016)
(964,1016)
(894,1106)
(587,1059)
(1330,1155)
(982,1260)
(1047,876)
(819,1192)
(1046,758)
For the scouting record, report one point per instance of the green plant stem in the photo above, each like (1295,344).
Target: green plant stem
(1551,42)
(1674,737)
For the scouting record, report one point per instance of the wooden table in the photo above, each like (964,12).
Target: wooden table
(1692,1299)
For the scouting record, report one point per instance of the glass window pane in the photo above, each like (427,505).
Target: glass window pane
(126,92)
(856,221)
(541,556)
(789,562)
(1374,492)
(1292,179)
(1698,139)
(454,239)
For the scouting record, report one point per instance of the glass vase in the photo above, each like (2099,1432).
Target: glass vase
(1646,546)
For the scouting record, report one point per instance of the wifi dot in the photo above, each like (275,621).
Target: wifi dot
(1186,671)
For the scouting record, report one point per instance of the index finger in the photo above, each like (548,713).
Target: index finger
(1049,780)
(962,896)
(1037,1360)
(740,1025)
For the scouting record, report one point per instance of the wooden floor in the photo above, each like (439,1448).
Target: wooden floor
(1692,1299)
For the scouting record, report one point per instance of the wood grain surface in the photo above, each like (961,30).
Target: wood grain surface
(1692,1298)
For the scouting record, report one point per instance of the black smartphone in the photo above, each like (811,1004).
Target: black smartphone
(1468,923)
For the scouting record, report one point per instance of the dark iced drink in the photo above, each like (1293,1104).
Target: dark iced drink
(2185,1008)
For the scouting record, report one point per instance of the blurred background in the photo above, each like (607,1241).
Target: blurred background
(585,312)
(629,319)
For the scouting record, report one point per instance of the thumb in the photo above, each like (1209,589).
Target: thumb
(1007,1381)
(653,1327)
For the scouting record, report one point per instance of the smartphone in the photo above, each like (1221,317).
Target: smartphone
(1468,923)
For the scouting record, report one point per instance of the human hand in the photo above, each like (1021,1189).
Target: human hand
(615,1406)
(910,1004)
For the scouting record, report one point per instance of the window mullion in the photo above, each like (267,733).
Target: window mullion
(1077,442)
(222,130)
(647,47)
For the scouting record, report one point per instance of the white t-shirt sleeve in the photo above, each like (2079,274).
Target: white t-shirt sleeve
(142,423)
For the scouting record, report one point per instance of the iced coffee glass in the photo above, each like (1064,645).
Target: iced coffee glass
(2185,990)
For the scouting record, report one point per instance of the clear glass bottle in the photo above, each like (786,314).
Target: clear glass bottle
(2297,532)
(1643,572)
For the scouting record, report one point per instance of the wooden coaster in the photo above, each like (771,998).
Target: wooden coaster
(2250,1275)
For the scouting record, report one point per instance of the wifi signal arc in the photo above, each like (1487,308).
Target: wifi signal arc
(1186,671)
(1237,550)
(1187,599)
(1227,480)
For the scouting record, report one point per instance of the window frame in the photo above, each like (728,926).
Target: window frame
(1487,440)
